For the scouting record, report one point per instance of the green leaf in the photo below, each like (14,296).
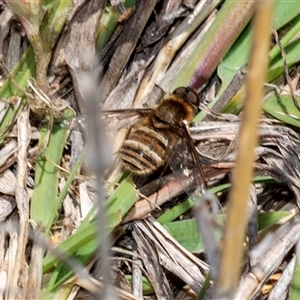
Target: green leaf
(54,22)
(176,211)
(292,57)
(22,72)
(295,287)
(286,39)
(186,231)
(205,287)
(235,58)
(267,219)
(234,16)
(181,208)
(45,201)
(284,12)
(108,23)
(282,108)
(122,200)
(83,243)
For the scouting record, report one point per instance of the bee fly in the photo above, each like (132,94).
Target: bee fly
(161,133)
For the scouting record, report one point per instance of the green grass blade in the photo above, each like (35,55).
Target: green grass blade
(83,243)
(230,21)
(186,231)
(22,72)
(282,108)
(45,200)
(295,287)
(173,213)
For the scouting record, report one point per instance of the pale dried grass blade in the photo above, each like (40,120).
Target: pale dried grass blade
(173,256)
(281,289)
(7,151)
(8,182)
(7,205)
(174,43)
(22,200)
(126,44)
(155,273)
(266,258)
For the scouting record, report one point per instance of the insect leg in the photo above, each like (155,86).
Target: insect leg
(200,181)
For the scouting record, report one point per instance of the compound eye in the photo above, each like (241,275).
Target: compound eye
(188,94)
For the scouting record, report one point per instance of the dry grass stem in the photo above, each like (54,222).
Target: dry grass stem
(236,222)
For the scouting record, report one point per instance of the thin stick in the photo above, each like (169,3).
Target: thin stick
(231,256)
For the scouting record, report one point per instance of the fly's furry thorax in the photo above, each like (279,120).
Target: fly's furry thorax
(172,111)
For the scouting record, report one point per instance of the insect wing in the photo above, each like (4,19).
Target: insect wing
(126,112)
(119,122)
(184,162)
(115,119)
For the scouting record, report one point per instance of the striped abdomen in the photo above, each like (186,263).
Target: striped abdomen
(144,150)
